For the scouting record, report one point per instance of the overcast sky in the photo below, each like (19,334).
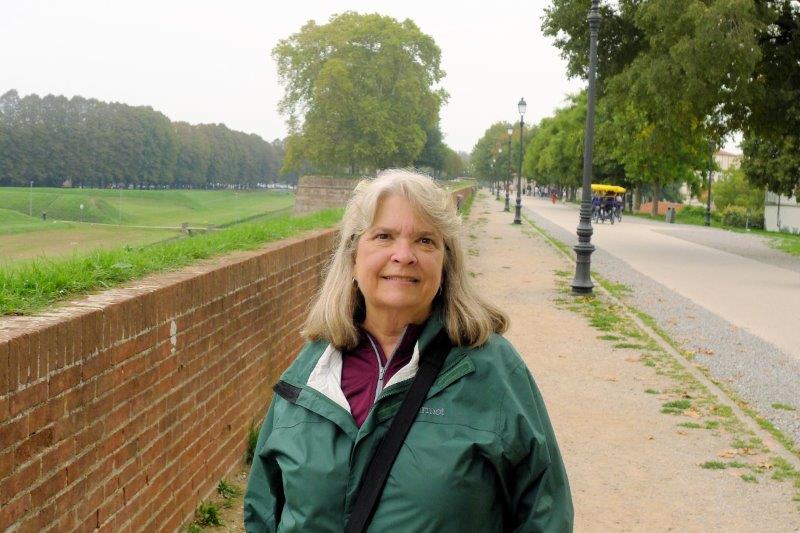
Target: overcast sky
(210,62)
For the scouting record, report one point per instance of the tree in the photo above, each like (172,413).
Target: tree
(53,139)
(771,118)
(358,92)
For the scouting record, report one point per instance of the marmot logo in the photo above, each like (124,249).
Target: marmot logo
(432,411)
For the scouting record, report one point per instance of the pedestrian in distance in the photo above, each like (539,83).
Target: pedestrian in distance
(406,410)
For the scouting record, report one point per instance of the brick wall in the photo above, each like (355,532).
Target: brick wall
(315,193)
(123,410)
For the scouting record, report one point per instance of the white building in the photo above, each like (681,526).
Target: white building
(725,161)
(781,213)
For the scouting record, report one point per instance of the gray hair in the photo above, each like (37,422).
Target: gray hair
(339,305)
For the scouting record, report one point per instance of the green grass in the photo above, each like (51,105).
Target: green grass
(714,465)
(786,242)
(676,406)
(783,407)
(142,207)
(31,285)
(207,514)
(652,391)
(691,425)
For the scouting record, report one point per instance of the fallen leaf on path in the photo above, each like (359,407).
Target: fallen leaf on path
(610,378)
(650,437)
(705,351)
(692,413)
(748,451)
(633,359)
(727,454)
(682,432)
(765,465)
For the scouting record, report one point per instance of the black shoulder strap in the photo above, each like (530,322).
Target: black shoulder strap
(381,463)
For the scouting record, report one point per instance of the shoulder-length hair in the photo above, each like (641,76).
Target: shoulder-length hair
(339,305)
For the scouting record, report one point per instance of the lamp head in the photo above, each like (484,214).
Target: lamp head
(522,106)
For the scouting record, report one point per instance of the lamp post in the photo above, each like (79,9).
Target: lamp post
(711,148)
(510,178)
(521,107)
(508,181)
(496,182)
(582,283)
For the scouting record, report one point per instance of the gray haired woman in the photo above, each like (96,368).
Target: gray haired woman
(481,454)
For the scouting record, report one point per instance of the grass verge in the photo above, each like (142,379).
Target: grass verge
(32,285)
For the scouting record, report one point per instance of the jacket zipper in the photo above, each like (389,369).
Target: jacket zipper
(381,367)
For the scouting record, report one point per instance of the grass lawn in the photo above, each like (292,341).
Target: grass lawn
(145,217)
(141,207)
(65,238)
(27,286)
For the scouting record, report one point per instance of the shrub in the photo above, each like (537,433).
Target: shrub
(740,217)
(734,189)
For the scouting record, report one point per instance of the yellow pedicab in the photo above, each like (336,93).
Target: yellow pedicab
(606,205)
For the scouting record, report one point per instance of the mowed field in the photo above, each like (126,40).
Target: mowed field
(112,218)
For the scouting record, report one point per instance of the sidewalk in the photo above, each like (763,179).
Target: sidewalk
(631,467)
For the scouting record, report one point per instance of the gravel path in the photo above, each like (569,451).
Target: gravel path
(754,369)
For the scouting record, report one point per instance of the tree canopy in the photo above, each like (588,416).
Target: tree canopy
(360,94)
(674,73)
(53,139)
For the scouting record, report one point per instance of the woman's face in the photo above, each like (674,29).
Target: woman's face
(398,263)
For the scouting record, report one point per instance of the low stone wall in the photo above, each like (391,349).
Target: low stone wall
(123,410)
(315,193)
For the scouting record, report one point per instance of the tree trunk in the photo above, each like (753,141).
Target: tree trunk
(656,198)
(637,198)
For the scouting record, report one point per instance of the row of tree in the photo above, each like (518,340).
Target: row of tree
(53,139)
(360,95)
(672,76)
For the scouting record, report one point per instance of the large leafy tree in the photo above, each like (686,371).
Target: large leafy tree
(672,72)
(671,75)
(359,92)
(771,118)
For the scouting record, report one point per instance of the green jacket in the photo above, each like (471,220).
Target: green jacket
(481,455)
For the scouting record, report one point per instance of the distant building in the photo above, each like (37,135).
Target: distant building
(725,161)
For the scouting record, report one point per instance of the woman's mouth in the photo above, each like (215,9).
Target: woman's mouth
(402,279)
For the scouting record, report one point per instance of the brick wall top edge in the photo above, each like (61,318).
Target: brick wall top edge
(15,326)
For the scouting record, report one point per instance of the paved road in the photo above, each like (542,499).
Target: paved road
(735,276)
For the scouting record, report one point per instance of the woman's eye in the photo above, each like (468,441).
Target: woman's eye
(382,236)
(426,240)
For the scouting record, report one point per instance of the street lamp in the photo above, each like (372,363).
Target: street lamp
(711,148)
(506,181)
(496,182)
(521,107)
(582,283)
(510,132)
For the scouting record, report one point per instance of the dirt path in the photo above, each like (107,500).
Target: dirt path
(631,467)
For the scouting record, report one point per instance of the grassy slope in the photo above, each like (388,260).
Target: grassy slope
(28,286)
(145,208)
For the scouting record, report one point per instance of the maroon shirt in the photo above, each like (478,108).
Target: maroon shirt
(361,369)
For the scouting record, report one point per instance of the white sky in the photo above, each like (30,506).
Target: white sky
(204,61)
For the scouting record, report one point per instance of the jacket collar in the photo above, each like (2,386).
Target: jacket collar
(325,375)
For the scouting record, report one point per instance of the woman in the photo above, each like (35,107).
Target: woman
(481,455)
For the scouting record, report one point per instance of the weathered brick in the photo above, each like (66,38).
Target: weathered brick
(27,398)
(34,444)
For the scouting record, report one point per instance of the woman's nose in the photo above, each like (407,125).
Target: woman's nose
(403,253)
